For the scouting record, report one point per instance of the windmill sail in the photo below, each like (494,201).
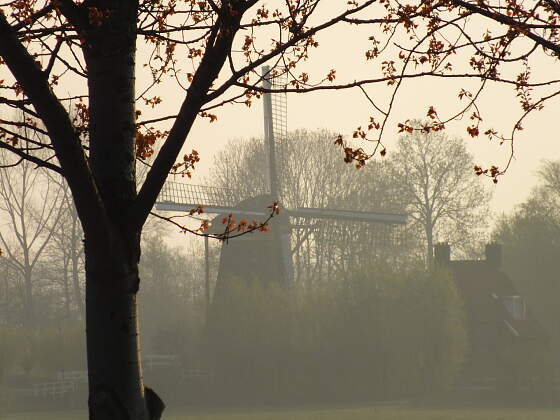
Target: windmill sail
(275,128)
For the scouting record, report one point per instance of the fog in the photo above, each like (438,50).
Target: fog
(349,303)
(287,276)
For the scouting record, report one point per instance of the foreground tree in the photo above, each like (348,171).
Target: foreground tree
(91,46)
(482,44)
(446,203)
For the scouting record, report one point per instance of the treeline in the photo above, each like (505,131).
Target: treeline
(364,318)
(41,275)
(380,334)
(174,311)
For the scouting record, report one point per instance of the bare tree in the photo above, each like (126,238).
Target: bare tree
(313,175)
(444,198)
(67,252)
(28,201)
(543,203)
(549,173)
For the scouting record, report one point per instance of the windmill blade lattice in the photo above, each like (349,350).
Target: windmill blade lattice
(279,107)
(275,127)
(279,110)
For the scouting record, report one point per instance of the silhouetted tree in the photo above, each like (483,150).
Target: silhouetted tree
(444,198)
(32,223)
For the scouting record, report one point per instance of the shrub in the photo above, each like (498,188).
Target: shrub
(44,351)
(379,334)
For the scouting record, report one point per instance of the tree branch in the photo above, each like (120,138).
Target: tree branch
(509,21)
(39,162)
(66,142)
(214,57)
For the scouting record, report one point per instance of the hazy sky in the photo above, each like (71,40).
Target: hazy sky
(342,111)
(343,48)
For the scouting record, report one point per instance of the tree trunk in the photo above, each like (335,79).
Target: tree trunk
(7,297)
(116,386)
(66,289)
(75,257)
(77,289)
(29,311)
(429,245)
(115,374)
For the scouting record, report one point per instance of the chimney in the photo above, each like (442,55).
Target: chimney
(442,254)
(494,255)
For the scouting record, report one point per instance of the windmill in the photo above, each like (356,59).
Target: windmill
(242,256)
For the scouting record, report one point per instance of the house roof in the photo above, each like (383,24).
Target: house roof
(485,290)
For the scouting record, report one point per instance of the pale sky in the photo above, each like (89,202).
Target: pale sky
(342,111)
(343,49)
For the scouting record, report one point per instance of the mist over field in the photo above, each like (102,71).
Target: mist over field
(351,303)
(281,209)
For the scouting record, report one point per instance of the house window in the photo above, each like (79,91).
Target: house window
(516,307)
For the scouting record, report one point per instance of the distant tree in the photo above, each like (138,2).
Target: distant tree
(531,244)
(8,351)
(435,174)
(550,176)
(28,203)
(9,302)
(179,328)
(66,255)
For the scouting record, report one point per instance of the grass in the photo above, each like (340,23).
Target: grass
(361,413)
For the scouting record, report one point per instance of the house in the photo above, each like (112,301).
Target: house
(506,343)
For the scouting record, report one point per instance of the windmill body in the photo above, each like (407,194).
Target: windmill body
(265,257)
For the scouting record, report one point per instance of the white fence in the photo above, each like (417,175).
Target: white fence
(73,375)
(70,380)
(159,360)
(55,389)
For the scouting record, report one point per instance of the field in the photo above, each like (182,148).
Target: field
(362,413)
